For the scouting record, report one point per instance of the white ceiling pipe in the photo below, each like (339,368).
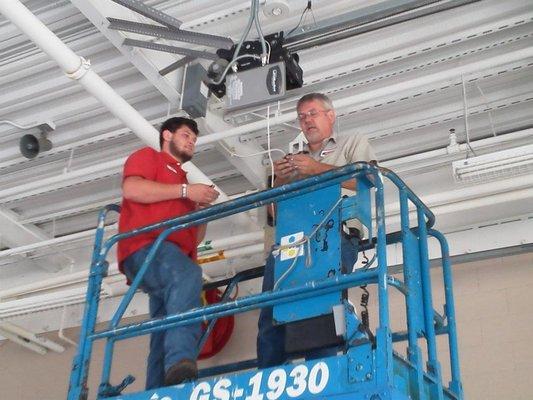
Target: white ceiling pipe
(477,144)
(81,276)
(29,345)
(484,201)
(43,302)
(469,193)
(51,242)
(232,253)
(210,246)
(38,186)
(245,251)
(114,286)
(114,274)
(79,69)
(372,94)
(466,205)
(25,334)
(52,283)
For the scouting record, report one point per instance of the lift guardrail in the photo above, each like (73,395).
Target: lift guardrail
(385,364)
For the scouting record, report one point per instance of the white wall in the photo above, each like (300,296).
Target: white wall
(494,320)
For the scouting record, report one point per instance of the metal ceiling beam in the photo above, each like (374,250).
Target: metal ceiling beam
(15,234)
(150,12)
(170,49)
(162,32)
(367,19)
(56,182)
(178,64)
(147,64)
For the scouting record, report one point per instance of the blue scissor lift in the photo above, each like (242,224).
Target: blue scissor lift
(309,285)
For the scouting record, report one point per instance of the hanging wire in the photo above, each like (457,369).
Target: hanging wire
(299,243)
(231,64)
(465,112)
(246,31)
(365,296)
(233,154)
(260,32)
(488,110)
(254,18)
(306,9)
(269,149)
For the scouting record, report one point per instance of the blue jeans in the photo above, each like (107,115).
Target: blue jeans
(173,283)
(271,338)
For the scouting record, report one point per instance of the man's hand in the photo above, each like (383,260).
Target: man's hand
(283,169)
(305,165)
(201,193)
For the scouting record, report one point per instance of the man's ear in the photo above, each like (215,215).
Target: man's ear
(167,135)
(332,115)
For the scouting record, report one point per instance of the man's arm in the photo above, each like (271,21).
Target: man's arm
(201,228)
(141,190)
(308,166)
(201,233)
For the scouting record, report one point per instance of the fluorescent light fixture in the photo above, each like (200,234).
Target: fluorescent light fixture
(497,165)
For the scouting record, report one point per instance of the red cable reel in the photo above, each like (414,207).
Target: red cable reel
(221,332)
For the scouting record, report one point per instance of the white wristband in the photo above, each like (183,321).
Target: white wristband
(183,190)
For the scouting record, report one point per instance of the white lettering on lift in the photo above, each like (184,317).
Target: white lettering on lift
(299,381)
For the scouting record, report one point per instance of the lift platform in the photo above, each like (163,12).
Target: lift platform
(309,284)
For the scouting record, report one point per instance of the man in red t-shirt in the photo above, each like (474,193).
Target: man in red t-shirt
(155,188)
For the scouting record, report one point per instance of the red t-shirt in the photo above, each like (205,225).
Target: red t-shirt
(159,167)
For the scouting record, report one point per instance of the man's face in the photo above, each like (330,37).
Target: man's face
(181,143)
(316,121)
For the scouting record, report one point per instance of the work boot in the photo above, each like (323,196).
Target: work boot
(184,370)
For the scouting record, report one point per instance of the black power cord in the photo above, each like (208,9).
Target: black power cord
(306,9)
(365,319)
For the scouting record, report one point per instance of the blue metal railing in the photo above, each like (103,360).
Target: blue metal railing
(418,269)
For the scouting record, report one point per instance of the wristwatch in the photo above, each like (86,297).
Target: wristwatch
(183,190)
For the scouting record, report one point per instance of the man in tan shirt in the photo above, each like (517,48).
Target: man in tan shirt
(323,151)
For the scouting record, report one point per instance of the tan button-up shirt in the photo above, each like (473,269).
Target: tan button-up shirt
(339,151)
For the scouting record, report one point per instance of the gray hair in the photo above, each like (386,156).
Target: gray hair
(322,98)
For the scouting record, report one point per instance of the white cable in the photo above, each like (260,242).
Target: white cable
(18,125)
(233,154)
(269,51)
(488,111)
(301,242)
(269,150)
(465,112)
(221,79)
(246,32)
(69,162)
(260,32)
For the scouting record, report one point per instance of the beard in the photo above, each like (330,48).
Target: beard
(179,154)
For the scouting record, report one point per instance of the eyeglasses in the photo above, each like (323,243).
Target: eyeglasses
(311,113)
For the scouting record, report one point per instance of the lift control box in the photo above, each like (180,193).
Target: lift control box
(318,214)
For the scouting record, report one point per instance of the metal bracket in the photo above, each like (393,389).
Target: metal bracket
(162,32)
(149,12)
(85,66)
(107,390)
(170,49)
